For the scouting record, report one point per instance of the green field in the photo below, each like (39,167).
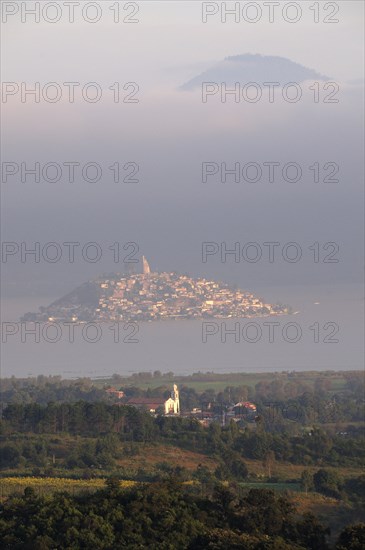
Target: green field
(208,380)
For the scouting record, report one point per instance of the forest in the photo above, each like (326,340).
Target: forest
(78,466)
(165,515)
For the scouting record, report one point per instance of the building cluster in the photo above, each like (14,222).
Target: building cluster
(153,405)
(205,415)
(223,414)
(152,296)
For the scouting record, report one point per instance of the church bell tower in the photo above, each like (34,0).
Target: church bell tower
(176,399)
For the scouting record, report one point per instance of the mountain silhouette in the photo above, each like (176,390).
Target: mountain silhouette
(254,68)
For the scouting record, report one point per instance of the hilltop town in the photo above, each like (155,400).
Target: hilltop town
(152,296)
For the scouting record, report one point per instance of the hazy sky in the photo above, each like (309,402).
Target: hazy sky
(170,41)
(169,133)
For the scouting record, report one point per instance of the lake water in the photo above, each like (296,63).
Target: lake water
(308,342)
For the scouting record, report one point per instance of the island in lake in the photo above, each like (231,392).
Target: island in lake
(150,296)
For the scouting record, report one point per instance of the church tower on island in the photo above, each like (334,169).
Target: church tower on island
(146,266)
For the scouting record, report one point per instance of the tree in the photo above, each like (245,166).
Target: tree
(263,511)
(312,534)
(269,461)
(9,456)
(320,442)
(352,538)
(238,468)
(328,483)
(306,481)
(203,474)
(355,488)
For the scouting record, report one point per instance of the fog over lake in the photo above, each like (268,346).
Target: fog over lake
(171,135)
(177,345)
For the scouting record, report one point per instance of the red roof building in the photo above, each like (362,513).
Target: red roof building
(115,393)
(147,403)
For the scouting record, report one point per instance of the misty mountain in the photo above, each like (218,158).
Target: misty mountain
(254,68)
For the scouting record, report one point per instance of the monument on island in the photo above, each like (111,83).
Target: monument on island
(146,266)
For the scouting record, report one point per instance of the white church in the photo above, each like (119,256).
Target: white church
(172,404)
(153,404)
